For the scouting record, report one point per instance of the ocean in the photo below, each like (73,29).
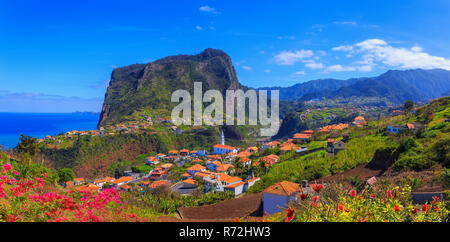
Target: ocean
(40,125)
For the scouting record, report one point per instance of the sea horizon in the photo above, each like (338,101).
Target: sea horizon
(39,125)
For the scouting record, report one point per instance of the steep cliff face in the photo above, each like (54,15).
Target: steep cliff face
(150,86)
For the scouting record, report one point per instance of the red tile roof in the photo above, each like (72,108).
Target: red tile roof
(226,147)
(284,188)
(272,143)
(196,167)
(235,185)
(123,179)
(158,184)
(253,179)
(190,181)
(302,136)
(244,160)
(244,154)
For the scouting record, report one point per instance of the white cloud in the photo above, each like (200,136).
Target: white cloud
(199,28)
(379,51)
(345,22)
(339,68)
(248,68)
(343,48)
(208,9)
(267,70)
(300,73)
(314,65)
(364,68)
(291,57)
(371,43)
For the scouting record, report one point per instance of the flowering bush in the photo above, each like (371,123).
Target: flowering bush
(36,200)
(373,204)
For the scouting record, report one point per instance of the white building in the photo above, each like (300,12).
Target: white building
(220,149)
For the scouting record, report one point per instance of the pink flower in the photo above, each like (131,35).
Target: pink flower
(7,167)
(372,195)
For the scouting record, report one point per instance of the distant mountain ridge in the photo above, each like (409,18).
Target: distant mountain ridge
(298,90)
(395,85)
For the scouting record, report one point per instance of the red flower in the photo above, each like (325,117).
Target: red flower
(414,211)
(435,199)
(236,219)
(397,208)
(372,195)
(303,196)
(362,219)
(316,198)
(389,193)
(340,207)
(290,214)
(317,188)
(425,208)
(352,193)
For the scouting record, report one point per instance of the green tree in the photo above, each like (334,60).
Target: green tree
(408,106)
(27,145)
(65,174)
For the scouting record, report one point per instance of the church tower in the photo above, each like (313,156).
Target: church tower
(222,137)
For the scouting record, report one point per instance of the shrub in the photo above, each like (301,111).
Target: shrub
(34,199)
(65,174)
(413,160)
(391,204)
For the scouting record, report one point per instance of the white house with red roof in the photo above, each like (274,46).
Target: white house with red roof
(279,195)
(220,149)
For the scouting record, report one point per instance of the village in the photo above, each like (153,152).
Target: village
(216,171)
(145,123)
(225,168)
(222,168)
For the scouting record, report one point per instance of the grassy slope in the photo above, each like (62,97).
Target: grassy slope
(432,148)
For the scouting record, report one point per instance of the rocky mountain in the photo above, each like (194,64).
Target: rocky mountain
(150,86)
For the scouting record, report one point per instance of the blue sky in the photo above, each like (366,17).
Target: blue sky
(57,56)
